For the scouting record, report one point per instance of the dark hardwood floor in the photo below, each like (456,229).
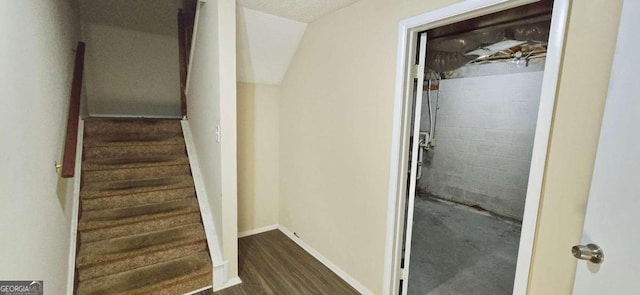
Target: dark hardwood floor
(270,263)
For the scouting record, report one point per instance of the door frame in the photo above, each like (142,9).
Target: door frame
(407,38)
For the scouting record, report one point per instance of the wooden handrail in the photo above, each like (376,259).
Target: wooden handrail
(190,7)
(69,157)
(186,22)
(184,60)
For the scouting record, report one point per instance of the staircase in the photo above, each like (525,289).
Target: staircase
(140,230)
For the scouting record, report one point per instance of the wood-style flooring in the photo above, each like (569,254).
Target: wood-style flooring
(270,263)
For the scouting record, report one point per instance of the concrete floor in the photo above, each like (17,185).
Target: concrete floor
(459,250)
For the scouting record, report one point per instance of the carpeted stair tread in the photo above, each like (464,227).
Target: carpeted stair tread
(134,162)
(112,217)
(136,245)
(138,227)
(128,152)
(172,277)
(146,258)
(133,140)
(146,127)
(137,199)
(111,188)
(135,173)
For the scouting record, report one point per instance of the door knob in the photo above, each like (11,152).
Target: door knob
(591,252)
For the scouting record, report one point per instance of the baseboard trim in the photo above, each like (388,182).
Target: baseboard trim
(230,283)
(75,208)
(220,266)
(220,273)
(256,231)
(337,270)
(199,290)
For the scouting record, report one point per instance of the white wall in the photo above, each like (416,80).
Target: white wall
(266,44)
(36,67)
(204,106)
(573,143)
(258,163)
(131,73)
(485,128)
(211,97)
(228,123)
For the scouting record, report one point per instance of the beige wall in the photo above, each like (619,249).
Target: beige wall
(36,66)
(211,97)
(131,73)
(258,163)
(335,134)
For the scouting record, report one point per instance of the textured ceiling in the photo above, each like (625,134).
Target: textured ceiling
(304,11)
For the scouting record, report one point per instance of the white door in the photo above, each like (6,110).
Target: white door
(415,146)
(613,213)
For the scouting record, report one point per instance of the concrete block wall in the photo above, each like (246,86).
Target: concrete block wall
(484,137)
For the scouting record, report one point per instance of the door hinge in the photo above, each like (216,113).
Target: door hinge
(415,71)
(405,274)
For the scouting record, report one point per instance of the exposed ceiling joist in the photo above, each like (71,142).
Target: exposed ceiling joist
(541,8)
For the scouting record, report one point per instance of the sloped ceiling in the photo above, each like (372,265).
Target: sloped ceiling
(268,34)
(265,46)
(304,11)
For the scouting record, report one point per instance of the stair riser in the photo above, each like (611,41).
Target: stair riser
(135,173)
(109,218)
(134,126)
(176,276)
(105,190)
(135,163)
(136,199)
(91,254)
(132,152)
(140,260)
(138,227)
(133,140)
(180,287)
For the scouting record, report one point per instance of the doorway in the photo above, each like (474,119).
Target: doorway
(476,88)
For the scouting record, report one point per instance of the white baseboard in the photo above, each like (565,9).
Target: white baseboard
(199,290)
(220,273)
(75,207)
(256,231)
(230,283)
(220,266)
(337,270)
